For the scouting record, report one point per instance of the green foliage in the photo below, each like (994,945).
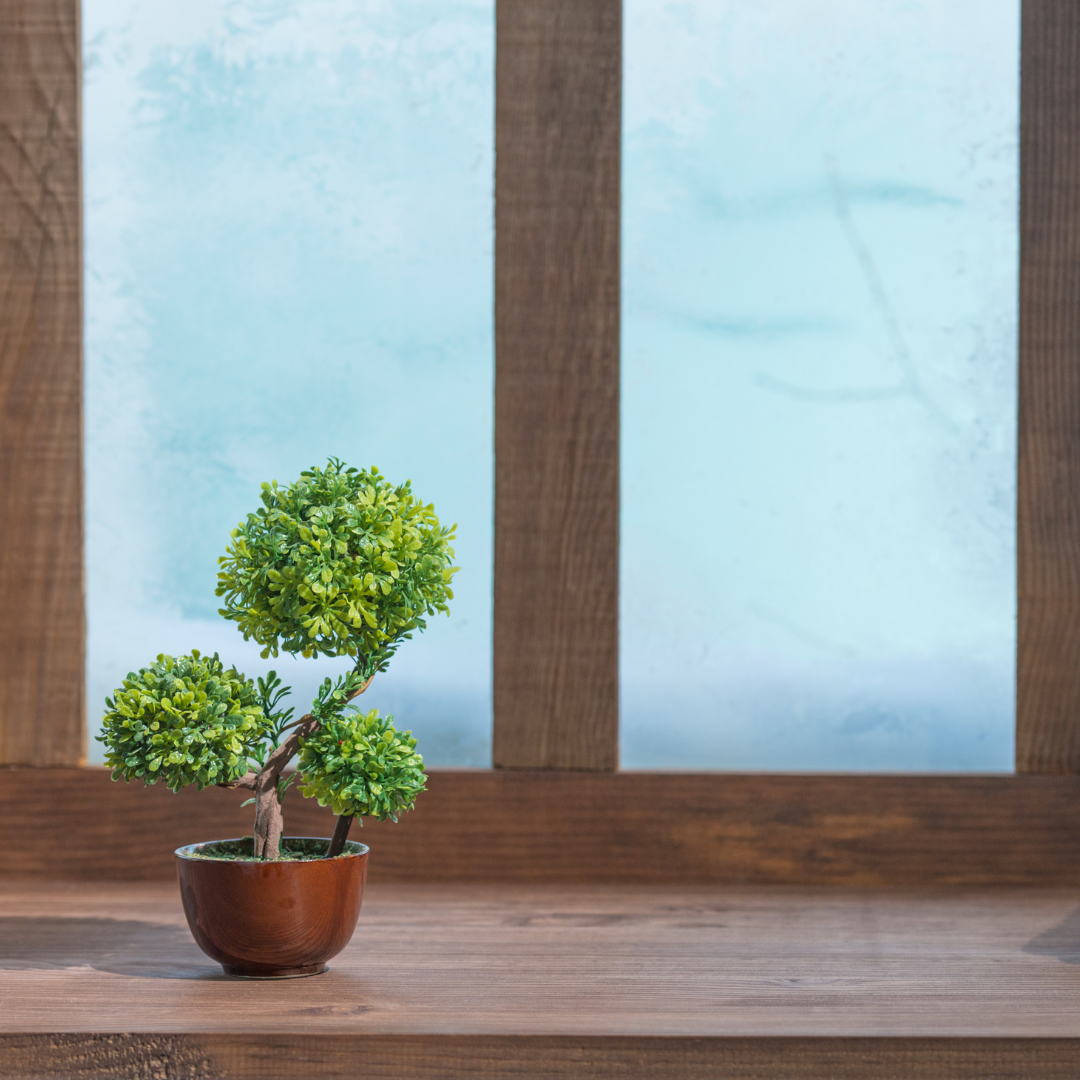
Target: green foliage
(270,696)
(338,563)
(360,765)
(186,720)
(331,698)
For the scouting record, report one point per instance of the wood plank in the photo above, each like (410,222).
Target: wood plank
(120,1057)
(42,716)
(1048,536)
(532,977)
(557,141)
(872,831)
(449,1057)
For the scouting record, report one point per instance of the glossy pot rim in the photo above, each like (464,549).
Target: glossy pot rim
(185,851)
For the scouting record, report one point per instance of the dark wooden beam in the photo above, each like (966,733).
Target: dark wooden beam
(42,667)
(537,826)
(522,1057)
(557,141)
(1048,535)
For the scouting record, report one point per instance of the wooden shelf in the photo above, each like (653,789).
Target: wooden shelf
(101,979)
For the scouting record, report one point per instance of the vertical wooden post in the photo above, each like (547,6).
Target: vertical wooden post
(557,185)
(1048,663)
(42,621)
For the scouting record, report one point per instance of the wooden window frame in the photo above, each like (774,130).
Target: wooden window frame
(43,633)
(558,116)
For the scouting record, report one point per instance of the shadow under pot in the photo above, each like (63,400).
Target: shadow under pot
(277,919)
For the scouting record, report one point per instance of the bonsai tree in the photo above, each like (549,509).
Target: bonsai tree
(339,563)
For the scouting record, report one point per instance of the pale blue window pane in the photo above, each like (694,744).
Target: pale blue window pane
(819,384)
(288,255)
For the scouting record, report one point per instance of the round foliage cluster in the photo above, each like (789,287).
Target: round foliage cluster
(360,765)
(186,720)
(340,562)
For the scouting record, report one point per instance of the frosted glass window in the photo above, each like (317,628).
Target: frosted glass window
(819,384)
(289,242)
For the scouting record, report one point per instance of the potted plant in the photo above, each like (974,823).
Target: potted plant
(339,563)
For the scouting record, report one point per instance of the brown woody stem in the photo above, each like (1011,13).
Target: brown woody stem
(245,781)
(341,834)
(268,819)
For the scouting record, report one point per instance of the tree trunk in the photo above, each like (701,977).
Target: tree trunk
(268,819)
(341,834)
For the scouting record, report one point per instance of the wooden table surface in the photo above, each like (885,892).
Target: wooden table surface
(527,960)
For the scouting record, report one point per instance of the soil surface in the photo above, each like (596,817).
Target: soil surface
(293,849)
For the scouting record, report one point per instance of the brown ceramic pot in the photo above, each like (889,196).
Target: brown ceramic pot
(272,920)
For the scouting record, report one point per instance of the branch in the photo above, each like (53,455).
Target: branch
(296,723)
(276,762)
(360,689)
(304,719)
(286,751)
(249,780)
(341,834)
(245,781)
(268,823)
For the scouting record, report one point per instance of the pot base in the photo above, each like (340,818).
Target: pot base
(275,973)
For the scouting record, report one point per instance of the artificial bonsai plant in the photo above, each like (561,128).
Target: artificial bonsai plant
(339,563)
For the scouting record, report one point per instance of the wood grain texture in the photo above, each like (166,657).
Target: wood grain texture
(567,964)
(42,718)
(557,141)
(1048,536)
(449,1057)
(873,831)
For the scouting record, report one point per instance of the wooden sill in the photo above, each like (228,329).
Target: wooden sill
(452,980)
